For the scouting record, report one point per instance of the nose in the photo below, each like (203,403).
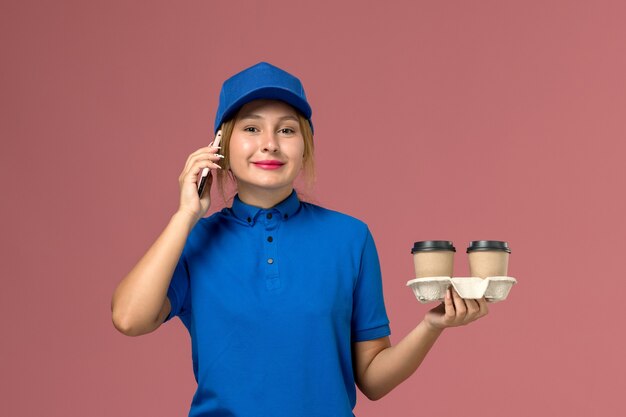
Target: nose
(270,142)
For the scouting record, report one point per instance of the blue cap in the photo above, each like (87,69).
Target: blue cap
(261,81)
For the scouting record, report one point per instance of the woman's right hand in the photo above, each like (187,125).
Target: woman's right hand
(190,202)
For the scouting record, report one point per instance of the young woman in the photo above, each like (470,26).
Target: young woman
(282,298)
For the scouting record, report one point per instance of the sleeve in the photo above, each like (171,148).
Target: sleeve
(369,316)
(178,291)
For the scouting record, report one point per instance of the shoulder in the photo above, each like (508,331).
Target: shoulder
(335,219)
(214,219)
(206,227)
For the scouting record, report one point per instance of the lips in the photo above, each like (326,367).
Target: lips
(269,164)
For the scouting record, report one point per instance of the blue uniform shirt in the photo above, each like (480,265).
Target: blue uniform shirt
(273,299)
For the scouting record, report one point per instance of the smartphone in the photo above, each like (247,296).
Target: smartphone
(205,171)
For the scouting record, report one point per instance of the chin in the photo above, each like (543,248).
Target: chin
(274,186)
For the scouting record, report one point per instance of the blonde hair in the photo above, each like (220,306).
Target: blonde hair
(226,177)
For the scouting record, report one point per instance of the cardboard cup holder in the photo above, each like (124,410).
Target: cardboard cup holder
(430,289)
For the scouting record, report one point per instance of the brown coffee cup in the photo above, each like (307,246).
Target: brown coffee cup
(488,258)
(433,258)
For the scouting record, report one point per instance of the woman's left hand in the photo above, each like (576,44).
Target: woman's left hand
(456,311)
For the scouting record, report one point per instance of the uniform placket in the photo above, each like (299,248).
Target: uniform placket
(271,221)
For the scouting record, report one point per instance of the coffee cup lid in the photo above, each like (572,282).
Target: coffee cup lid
(477,245)
(431,245)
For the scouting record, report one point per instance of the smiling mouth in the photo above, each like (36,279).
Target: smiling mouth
(268,164)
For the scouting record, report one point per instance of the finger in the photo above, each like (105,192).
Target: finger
(198,152)
(189,163)
(191,176)
(210,156)
(213,156)
(205,163)
(459,306)
(482,305)
(472,310)
(192,158)
(213,147)
(450,312)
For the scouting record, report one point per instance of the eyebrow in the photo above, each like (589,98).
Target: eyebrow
(257,116)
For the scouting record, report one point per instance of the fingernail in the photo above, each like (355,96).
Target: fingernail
(220,156)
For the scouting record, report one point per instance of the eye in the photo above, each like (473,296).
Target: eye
(287,131)
(250,129)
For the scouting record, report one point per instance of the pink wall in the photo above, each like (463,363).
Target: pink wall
(434,120)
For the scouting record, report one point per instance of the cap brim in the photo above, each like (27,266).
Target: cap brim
(269,93)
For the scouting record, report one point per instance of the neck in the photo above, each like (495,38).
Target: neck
(263,198)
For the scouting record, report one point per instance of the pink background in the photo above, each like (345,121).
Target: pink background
(456,120)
